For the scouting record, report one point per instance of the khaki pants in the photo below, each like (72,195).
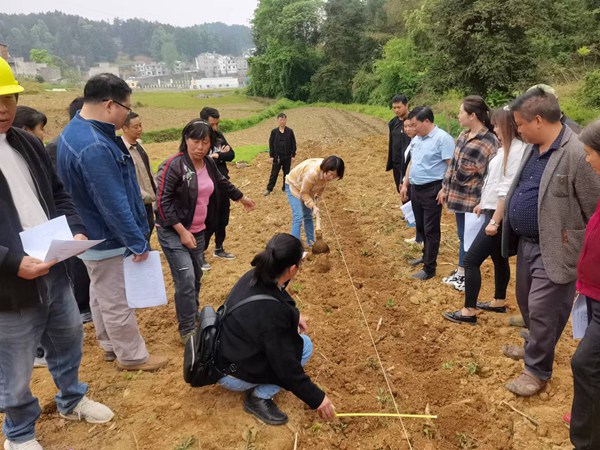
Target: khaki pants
(116,326)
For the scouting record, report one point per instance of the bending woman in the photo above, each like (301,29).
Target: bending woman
(500,174)
(303,185)
(264,340)
(188,187)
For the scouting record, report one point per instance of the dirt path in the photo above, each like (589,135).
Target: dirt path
(457,372)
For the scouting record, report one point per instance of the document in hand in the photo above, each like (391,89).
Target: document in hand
(473,226)
(144,282)
(408,213)
(53,240)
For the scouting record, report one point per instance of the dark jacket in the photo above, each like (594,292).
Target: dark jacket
(225,157)
(289,144)
(398,142)
(178,192)
(262,339)
(17,293)
(52,149)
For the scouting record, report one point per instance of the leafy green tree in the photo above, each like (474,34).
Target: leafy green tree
(41,56)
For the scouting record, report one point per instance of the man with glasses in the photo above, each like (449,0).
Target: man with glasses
(99,173)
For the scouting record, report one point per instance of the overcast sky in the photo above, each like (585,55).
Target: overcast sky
(175,12)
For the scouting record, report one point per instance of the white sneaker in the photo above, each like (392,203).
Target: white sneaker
(31,444)
(91,411)
(411,240)
(452,278)
(39,362)
(459,284)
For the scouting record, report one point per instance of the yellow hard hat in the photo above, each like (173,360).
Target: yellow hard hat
(8,83)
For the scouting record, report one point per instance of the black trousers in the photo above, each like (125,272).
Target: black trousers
(482,247)
(428,218)
(397,177)
(80,281)
(279,163)
(585,413)
(222,222)
(150,214)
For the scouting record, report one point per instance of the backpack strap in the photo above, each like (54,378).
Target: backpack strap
(250,299)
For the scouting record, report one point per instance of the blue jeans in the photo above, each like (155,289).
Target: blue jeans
(57,326)
(186,270)
(460,230)
(300,213)
(264,391)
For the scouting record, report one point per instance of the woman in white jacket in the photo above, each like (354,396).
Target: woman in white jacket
(500,174)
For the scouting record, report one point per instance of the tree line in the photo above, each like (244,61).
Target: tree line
(82,42)
(365,51)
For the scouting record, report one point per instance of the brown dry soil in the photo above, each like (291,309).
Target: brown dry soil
(457,372)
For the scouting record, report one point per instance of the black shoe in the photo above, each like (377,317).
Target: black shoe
(422,275)
(283,189)
(486,307)
(220,253)
(457,317)
(265,410)
(416,261)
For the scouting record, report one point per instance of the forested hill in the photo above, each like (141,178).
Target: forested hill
(85,42)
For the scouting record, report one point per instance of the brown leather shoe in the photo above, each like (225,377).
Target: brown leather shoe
(526,385)
(516,352)
(153,363)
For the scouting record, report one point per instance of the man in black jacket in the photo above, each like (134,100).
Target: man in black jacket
(282,151)
(222,153)
(36,299)
(398,140)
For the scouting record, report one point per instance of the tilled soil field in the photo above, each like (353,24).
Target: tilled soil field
(457,372)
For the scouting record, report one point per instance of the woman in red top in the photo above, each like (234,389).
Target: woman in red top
(585,413)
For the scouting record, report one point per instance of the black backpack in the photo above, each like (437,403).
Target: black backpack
(200,354)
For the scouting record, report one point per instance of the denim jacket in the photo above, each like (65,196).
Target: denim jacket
(98,172)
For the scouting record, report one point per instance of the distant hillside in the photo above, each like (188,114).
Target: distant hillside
(84,42)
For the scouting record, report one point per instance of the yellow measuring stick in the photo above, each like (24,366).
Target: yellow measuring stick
(411,416)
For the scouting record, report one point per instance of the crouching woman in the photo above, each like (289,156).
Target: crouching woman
(265,341)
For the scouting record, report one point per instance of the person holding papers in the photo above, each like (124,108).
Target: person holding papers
(36,299)
(500,174)
(189,187)
(585,414)
(99,173)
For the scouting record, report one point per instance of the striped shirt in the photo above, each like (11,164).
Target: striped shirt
(464,177)
(306,181)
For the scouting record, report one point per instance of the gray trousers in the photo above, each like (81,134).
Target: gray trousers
(545,307)
(116,326)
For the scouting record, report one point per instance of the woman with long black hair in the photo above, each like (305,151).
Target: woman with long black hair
(265,341)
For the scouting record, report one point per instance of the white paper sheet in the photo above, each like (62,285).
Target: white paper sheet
(409,216)
(579,317)
(53,239)
(473,226)
(144,282)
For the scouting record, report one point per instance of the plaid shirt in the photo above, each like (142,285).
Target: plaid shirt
(306,181)
(464,177)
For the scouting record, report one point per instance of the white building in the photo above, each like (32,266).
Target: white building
(215,83)
(104,67)
(152,69)
(208,63)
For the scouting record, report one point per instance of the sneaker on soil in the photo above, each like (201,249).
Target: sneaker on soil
(267,192)
(109,356)
(32,444)
(86,317)
(459,284)
(206,266)
(220,253)
(452,278)
(153,363)
(90,411)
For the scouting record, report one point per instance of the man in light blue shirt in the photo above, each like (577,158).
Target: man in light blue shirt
(431,152)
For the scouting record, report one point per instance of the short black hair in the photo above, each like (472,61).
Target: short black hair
(75,106)
(537,102)
(280,115)
(333,163)
(421,113)
(400,98)
(29,118)
(132,115)
(209,112)
(106,86)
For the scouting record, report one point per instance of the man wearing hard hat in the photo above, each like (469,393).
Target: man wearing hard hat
(36,300)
